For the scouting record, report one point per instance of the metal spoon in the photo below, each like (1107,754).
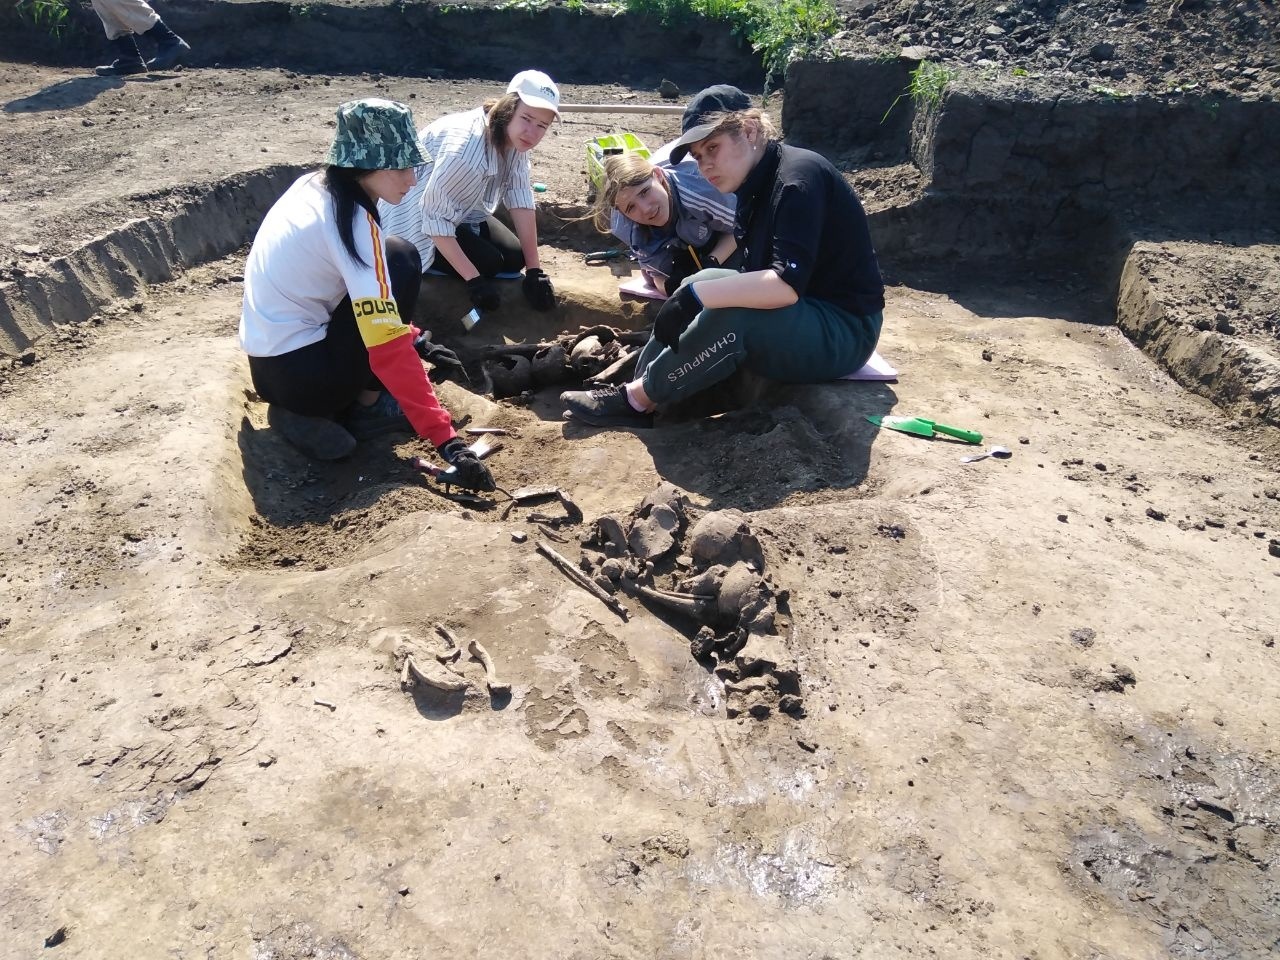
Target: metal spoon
(1000,453)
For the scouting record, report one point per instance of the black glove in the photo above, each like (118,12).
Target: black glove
(537,289)
(483,293)
(682,265)
(468,472)
(444,360)
(675,316)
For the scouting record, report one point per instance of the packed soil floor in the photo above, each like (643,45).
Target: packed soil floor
(1038,695)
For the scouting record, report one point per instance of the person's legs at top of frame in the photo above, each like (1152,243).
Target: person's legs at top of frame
(124,21)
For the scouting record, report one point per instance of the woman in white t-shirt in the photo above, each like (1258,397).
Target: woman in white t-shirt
(329,300)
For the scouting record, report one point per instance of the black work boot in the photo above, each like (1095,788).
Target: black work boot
(128,60)
(170,48)
(317,437)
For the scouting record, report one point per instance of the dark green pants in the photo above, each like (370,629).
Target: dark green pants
(811,341)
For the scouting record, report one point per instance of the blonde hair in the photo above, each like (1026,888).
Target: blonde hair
(736,122)
(625,170)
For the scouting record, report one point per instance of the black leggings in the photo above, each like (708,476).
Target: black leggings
(491,246)
(324,378)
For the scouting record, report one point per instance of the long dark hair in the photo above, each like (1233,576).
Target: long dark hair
(343,185)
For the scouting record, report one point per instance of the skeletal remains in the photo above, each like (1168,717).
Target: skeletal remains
(717,581)
(710,572)
(430,664)
(599,354)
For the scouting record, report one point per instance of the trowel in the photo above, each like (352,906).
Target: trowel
(921,427)
(482,448)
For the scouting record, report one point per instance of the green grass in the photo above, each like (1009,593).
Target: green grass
(525,6)
(778,30)
(926,87)
(53,15)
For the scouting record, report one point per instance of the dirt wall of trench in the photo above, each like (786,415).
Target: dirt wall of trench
(424,39)
(213,221)
(1016,173)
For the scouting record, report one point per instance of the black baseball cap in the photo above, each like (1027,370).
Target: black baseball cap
(721,98)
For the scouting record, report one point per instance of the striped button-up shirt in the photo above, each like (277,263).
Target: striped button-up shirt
(462,182)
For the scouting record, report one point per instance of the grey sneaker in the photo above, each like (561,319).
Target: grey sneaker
(604,407)
(382,416)
(317,437)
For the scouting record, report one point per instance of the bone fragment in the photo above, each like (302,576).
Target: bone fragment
(616,372)
(691,606)
(610,534)
(547,531)
(584,349)
(436,675)
(581,579)
(452,644)
(490,674)
(602,333)
(750,685)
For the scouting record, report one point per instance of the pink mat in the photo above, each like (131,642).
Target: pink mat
(638,286)
(877,368)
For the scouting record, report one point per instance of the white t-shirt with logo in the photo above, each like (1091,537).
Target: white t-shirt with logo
(298,271)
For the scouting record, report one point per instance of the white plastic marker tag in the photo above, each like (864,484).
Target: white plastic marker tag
(471,318)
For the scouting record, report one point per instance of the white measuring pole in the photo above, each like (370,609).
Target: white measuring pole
(620,108)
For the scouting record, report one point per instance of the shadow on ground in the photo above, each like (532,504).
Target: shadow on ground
(76,92)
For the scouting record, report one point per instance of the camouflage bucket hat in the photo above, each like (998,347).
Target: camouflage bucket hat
(375,134)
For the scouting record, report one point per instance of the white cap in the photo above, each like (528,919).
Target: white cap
(536,89)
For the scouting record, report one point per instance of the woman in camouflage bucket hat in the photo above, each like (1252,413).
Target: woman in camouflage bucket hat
(329,301)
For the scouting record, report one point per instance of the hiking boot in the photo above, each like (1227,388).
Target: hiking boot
(128,60)
(382,416)
(604,407)
(317,437)
(170,48)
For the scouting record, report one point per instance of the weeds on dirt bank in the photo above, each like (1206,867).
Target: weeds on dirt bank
(929,81)
(52,15)
(778,30)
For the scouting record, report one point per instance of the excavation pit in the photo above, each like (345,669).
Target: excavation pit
(193,619)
